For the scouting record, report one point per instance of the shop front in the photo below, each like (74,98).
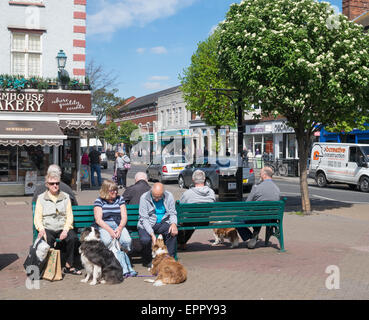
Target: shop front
(38,129)
(273,138)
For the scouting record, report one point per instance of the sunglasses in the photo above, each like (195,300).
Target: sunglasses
(53,183)
(113,190)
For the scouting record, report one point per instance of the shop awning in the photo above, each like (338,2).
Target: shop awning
(31,133)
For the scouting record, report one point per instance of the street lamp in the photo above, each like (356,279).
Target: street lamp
(238,115)
(63,75)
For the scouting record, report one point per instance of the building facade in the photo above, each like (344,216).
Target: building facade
(40,123)
(173,135)
(143,111)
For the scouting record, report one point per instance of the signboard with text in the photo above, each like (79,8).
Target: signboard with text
(57,101)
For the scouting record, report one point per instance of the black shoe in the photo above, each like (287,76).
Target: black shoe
(147,264)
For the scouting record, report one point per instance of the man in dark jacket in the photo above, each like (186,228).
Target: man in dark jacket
(133,193)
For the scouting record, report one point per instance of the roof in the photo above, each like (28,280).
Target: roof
(148,100)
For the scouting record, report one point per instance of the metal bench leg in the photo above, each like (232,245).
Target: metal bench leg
(281,239)
(175,250)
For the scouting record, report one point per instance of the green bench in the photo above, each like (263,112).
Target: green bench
(233,215)
(83,216)
(214,215)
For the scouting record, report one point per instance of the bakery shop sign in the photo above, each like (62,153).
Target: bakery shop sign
(45,102)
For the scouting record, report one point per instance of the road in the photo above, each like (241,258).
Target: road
(334,195)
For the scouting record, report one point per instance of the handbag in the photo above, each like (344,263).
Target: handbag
(36,256)
(52,270)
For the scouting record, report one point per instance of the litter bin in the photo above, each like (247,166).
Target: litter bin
(227,189)
(292,167)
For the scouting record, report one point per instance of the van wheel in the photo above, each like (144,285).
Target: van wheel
(321,180)
(364,184)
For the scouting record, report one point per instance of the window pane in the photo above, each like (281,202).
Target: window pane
(19,42)
(19,63)
(34,43)
(33,64)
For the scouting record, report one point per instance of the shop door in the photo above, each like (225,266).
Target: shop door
(68,161)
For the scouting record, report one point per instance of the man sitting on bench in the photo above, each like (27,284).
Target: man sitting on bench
(266,190)
(157,214)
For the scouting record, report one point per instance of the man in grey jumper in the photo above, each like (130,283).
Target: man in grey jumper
(198,194)
(157,215)
(267,190)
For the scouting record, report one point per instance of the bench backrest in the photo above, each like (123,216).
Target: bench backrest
(83,216)
(230,211)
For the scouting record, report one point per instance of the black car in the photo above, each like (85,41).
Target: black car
(213,168)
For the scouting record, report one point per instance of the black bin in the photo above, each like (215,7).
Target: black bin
(292,167)
(227,190)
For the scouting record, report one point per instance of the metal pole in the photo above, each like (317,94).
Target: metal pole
(239,174)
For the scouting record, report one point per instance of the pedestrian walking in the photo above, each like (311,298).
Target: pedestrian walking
(95,159)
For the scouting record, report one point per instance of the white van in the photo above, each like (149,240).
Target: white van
(340,163)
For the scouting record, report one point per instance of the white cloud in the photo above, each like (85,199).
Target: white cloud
(115,15)
(213,28)
(158,50)
(140,50)
(158,78)
(152,85)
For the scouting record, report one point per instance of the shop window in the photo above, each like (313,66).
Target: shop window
(268,144)
(16,161)
(291,146)
(8,164)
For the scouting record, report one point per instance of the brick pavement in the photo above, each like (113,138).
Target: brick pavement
(338,236)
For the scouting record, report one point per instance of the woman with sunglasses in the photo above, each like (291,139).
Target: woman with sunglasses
(54,219)
(111,217)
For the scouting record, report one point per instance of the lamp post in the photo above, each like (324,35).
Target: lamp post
(238,115)
(63,75)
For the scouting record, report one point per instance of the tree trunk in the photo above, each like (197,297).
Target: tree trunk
(303,141)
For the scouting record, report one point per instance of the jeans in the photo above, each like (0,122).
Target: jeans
(122,177)
(95,168)
(125,239)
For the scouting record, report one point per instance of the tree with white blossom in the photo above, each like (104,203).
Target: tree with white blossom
(300,60)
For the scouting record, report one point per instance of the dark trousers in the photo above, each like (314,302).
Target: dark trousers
(70,241)
(245,232)
(122,177)
(185,235)
(145,239)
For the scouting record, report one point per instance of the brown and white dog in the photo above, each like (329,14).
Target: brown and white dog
(226,233)
(165,267)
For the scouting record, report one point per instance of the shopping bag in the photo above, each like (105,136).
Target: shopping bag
(37,256)
(52,270)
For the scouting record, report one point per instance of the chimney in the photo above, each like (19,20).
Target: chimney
(354,8)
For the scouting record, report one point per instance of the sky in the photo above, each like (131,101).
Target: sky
(147,44)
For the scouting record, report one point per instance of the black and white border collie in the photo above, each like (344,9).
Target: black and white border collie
(98,261)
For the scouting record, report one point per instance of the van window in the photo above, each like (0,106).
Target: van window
(356,155)
(366,151)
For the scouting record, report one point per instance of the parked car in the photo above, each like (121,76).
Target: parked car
(104,160)
(213,168)
(166,168)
